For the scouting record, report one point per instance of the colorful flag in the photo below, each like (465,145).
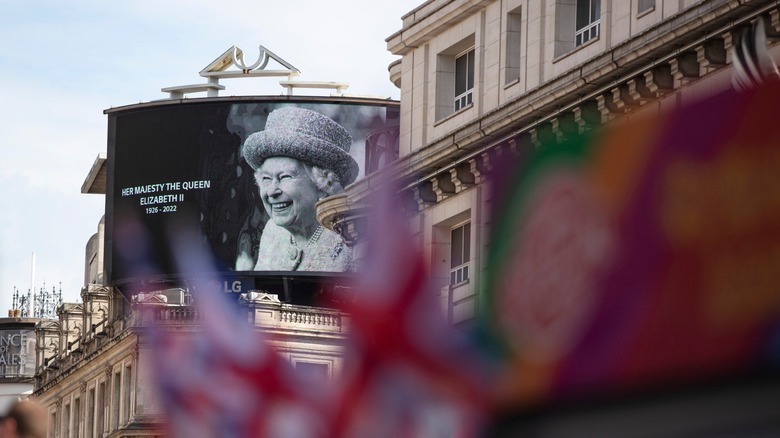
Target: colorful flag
(642,255)
(222,378)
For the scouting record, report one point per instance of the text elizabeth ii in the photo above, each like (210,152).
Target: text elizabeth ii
(161,199)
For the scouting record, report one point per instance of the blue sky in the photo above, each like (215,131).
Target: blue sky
(63,63)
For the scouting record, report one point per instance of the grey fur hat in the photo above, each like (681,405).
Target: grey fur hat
(304,135)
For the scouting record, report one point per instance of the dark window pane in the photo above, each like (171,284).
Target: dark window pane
(583,12)
(456,247)
(461,76)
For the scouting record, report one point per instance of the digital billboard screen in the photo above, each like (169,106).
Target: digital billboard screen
(245,172)
(17,353)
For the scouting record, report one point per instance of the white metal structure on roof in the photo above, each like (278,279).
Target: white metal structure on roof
(231,65)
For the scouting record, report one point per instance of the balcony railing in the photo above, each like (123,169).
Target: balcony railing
(587,33)
(312,318)
(464,99)
(459,274)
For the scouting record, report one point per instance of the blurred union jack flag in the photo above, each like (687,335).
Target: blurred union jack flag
(407,372)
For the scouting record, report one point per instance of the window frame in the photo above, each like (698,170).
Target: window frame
(445,78)
(91,405)
(76,422)
(66,413)
(459,272)
(54,427)
(514,46)
(466,97)
(307,360)
(127,390)
(644,6)
(101,408)
(586,27)
(301,364)
(116,397)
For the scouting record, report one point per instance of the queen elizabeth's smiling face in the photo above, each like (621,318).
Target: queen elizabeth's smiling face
(288,193)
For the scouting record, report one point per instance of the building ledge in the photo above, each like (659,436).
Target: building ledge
(429,20)
(96,177)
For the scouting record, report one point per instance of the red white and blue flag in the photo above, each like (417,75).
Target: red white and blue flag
(407,372)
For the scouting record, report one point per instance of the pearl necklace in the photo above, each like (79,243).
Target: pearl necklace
(315,236)
(296,254)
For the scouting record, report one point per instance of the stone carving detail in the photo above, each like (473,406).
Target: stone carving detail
(685,67)
(711,55)
(587,115)
(461,176)
(443,186)
(424,194)
(659,80)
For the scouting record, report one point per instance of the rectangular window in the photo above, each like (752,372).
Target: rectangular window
(587,21)
(455,75)
(126,398)
(53,424)
(460,253)
(76,418)
(513,48)
(89,424)
(464,79)
(115,401)
(645,5)
(66,421)
(312,372)
(101,410)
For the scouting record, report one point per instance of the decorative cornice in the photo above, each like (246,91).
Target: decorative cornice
(429,20)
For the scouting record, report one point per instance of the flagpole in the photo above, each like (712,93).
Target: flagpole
(32,281)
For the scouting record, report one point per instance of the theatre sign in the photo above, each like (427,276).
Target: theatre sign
(17,353)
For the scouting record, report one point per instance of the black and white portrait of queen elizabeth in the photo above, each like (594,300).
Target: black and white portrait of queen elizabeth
(299,158)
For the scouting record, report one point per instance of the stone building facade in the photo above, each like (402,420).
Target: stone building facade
(100,383)
(486,79)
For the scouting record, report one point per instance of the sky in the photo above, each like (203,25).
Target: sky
(63,63)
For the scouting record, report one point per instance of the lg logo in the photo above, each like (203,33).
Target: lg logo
(226,285)
(233,287)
